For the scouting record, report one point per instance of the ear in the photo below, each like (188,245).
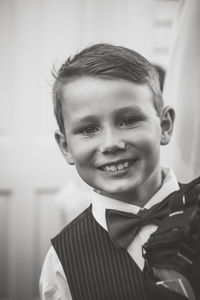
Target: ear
(167,124)
(62,143)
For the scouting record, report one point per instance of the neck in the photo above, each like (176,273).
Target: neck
(143,193)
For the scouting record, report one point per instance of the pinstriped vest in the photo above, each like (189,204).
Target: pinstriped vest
(94,267)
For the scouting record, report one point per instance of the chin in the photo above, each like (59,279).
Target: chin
(117,191)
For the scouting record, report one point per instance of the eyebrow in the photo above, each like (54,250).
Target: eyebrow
(87,119)
(121,110)
(127,109)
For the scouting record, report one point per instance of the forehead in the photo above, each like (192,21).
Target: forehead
(86,94)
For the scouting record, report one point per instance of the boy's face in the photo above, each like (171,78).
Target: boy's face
(113,137)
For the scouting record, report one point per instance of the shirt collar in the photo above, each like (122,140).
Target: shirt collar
(100,202)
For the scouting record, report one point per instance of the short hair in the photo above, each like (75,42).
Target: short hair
(161,72)
(108,62)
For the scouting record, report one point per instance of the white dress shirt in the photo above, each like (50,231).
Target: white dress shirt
(53,283)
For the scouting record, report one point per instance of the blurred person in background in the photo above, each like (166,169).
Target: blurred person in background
(181,89)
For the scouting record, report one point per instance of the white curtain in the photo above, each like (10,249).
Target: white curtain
(181,90)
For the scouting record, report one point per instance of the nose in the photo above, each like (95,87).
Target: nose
(112,142)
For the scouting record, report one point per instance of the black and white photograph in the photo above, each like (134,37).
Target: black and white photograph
(99,150)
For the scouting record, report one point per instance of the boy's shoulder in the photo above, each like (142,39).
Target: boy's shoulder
(191,189)
(78,220)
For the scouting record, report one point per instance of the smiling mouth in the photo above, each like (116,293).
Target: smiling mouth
(112,168)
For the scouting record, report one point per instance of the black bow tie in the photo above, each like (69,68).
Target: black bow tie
(124,226)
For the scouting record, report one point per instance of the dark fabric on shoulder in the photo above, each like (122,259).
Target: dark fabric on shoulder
(175,245)
(191,193)
(94,267)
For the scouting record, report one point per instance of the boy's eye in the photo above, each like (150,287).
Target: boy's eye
(127,122)
(89,130)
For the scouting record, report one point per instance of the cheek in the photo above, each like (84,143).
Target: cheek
(82,152)
(149,145)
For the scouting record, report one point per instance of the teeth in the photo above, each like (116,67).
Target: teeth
(120,167)
(126,164)
(114,168)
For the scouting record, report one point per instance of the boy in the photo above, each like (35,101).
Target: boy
(112,121)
